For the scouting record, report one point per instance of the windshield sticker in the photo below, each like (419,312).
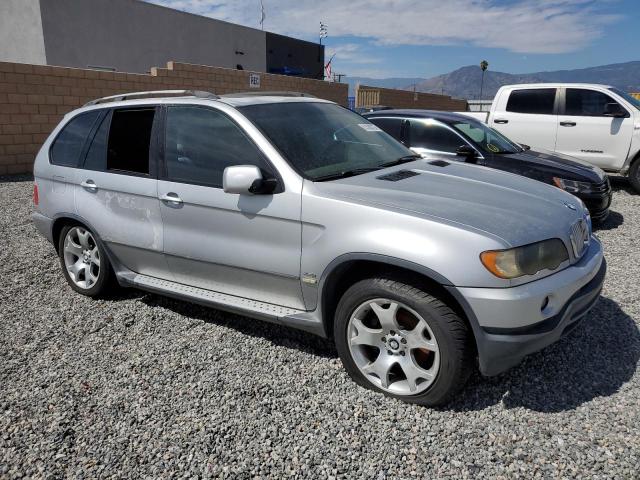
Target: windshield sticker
(369,127)
(493,148)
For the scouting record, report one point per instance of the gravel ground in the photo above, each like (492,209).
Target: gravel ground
(141,386)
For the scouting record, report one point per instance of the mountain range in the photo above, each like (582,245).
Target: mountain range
(465,82)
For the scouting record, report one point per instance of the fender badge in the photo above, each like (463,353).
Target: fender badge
(569,206)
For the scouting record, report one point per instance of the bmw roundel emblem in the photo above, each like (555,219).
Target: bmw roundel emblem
(570,206)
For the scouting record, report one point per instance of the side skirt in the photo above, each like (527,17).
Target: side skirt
(291,317)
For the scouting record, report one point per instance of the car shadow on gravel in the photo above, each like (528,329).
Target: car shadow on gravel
(276,334)
(619,183)
(613,221)
(595,360)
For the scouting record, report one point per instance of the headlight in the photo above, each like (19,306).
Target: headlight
(527,260)
(571,186)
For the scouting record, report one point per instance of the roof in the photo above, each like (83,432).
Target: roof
(555,85)
(417,113)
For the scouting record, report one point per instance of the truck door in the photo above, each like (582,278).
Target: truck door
(527,115)
(588,132)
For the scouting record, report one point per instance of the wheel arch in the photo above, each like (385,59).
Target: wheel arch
(351,268)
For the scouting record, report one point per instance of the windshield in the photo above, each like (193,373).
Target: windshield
(323,140)
(629,98)
(486,138)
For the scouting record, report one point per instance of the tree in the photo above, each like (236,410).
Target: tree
(483,66)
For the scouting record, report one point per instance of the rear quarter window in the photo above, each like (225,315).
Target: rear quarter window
(68,145)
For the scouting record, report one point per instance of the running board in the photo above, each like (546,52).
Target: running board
(300,319)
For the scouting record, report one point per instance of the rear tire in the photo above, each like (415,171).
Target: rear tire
(634,175)
(84,262)
(399,340)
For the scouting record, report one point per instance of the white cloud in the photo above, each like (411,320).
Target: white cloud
(351,53)
(524,26)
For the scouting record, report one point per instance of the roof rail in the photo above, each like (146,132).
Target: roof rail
(151,94)
(259,93)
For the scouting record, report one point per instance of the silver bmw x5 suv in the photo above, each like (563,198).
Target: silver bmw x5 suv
(295,210)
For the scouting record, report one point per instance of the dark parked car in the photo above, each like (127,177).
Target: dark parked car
(466,139)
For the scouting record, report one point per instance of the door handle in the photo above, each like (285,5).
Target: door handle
(89,184)
(171,198)
(568,124)
(500,120)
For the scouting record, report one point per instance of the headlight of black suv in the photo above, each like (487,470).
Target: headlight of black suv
(572,186)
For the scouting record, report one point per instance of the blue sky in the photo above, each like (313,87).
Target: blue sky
(423,38)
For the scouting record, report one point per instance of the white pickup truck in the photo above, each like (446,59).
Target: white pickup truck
(596,123)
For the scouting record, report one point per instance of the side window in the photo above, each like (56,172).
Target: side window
(433,137)
(587,103)
(201,143)
(535,100)
(393,126)
(67,146)
(129,140)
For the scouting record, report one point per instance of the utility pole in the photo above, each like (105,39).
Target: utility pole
(483,66)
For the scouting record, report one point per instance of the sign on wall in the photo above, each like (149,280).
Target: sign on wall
(254,80)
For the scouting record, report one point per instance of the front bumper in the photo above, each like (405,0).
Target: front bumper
(598,201)
(511,323)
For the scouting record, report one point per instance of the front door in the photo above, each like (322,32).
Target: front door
(586,133)
(243,245)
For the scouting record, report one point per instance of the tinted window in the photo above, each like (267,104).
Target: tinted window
(201,143)
(588,103)
(96,158)
(322,140)
(129,140)
(538,100)
(486,138)
(433,137)
(68,144)
(393,126)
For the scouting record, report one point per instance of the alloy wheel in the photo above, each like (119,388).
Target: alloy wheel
(82,257)
(393,346)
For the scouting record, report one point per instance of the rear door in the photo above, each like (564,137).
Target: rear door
(243,245)
(587,133)
(116,189)
(392,125)
(528,115)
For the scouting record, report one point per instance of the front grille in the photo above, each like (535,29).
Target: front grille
(601,187)
(580,237)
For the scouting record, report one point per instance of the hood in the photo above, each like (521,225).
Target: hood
(512,208)
(558,164)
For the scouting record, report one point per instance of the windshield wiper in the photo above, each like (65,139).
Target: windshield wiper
(346,173)
(401,160)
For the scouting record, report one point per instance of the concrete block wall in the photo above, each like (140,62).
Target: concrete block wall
(369,96)
(34,98)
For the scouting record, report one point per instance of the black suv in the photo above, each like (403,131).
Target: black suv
(464,138)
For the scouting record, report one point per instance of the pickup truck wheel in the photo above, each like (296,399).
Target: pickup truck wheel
(398,339)
(84,262)
(634,175)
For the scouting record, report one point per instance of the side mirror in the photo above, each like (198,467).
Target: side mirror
(525,147)
(246,180)
(614,110)
(466,151)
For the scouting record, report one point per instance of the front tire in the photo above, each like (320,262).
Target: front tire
(634,175)
(401,341)
(84,262)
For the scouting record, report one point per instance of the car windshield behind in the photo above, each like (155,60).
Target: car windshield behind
(486,138)
(323,140)
(629,98)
